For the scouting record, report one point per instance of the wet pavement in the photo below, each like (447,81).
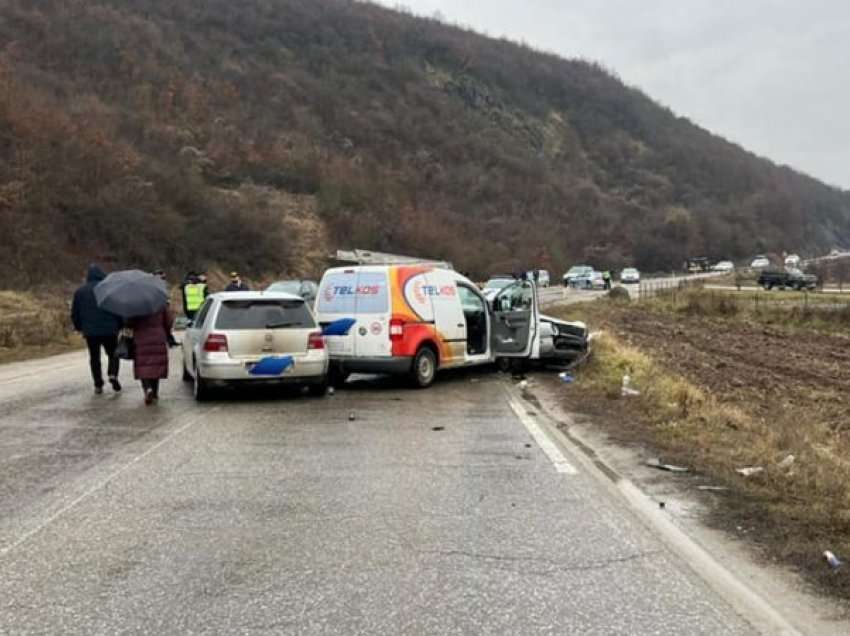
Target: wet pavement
(431,512)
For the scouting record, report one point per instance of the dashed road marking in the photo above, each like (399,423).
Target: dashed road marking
(546,445)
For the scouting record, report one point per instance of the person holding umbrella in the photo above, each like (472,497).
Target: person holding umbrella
(100,329)
(142,300)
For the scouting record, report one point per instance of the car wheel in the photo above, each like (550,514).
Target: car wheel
(319,389)
(424,367)
(201,387)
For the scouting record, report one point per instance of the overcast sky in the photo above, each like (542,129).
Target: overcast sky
(771,75)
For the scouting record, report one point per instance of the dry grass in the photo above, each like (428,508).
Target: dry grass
(793,512)
(34,325)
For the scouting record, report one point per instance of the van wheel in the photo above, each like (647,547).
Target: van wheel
(424,367)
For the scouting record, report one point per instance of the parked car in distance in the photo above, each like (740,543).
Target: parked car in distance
(575,272)
(724,266)
(788,277)
(496,283)
(254,337)
(760,262)
(630,276)
(697,264)
(792,260)
(539,276)
(591,280)
(306,289)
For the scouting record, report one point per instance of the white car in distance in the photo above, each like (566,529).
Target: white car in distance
(724,266)
(760,262)
(630,276)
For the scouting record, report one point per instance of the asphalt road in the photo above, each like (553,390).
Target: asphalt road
(431,512)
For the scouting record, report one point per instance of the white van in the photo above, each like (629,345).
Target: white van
(417,318)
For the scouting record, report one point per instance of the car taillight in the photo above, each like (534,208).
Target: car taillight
(316,341)
(396,329)
(215,342)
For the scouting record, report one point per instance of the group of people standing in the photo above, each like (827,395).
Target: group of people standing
(151,334)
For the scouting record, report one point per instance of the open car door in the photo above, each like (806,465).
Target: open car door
(515,321)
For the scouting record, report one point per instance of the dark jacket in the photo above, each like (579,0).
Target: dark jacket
(231,287)
(88,318)
(151,337)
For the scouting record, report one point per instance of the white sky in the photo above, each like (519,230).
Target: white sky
(771,75)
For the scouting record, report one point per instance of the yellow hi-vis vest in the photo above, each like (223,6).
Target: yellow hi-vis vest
(194,296)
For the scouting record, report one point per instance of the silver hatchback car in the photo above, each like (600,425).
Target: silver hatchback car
(254,337)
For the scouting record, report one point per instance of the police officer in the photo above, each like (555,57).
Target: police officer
(195,291)
(606,277)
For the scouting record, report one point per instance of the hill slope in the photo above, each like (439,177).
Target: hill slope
(207,132)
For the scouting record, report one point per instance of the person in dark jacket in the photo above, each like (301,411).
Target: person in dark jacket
(236,283)
(100,329)
(150,364)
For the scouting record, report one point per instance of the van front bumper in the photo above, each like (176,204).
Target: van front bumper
(395,365)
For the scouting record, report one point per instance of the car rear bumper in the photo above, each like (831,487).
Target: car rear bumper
(396,365)
(307,369)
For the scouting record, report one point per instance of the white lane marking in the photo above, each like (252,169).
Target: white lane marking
(546,445)
(24,537)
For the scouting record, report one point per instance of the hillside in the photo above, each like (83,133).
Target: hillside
(259,134)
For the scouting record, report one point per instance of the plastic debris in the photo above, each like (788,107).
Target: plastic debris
(523,384)
(627,389)
(749,470)
(831,560)
(566,378)
(787,462)
(712,488)
(656,463)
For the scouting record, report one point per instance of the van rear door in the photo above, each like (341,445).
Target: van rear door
(372,311)
(337,300)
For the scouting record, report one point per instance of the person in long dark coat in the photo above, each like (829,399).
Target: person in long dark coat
(150,364)
(100,329)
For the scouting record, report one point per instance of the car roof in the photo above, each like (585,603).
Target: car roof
(425,267)
(255,295)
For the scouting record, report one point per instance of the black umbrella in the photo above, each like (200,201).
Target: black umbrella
(131,293)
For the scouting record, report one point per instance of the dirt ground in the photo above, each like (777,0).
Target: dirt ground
(788,392)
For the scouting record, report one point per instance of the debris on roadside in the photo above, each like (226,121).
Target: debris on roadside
(749,470)
(351,416)
(438,428)
(627,390)
(566,378)
(713,488)
(786,463)
(670,468)
(831,560)
(331,390)
(523,385)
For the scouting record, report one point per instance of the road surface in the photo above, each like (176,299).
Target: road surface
(429,512)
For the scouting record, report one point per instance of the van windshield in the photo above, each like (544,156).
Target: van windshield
(264,314)
(353,292)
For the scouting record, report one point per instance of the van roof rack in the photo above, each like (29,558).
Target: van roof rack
(368,257)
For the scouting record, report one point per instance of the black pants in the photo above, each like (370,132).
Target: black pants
(108,343)
(152,385)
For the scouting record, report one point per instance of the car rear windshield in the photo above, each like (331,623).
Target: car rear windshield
(264,314)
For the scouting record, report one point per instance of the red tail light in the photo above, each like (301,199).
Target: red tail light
(396,329)
(316,341)
(215,342)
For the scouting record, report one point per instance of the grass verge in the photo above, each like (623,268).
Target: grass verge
(722,393)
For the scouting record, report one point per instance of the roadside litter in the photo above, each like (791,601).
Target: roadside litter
(786,463)
(351,416)
(713,488)
(831,560)
(749,470)
(566,378)
(627,389)
(656,463)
